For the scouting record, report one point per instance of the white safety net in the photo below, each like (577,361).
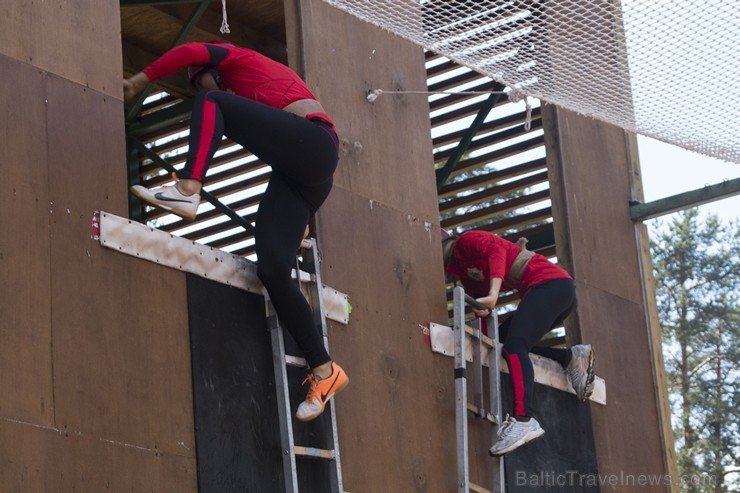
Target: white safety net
(669,69)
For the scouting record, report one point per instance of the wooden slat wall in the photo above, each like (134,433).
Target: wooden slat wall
(95,360)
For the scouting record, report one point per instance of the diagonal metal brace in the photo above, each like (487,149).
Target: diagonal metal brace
(206,195)
(443,173)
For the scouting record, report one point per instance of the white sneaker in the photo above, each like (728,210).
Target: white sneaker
(580,371)
(513,434)
(170,199)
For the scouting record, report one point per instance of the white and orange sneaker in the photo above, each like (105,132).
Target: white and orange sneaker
(170,199)
(322,389)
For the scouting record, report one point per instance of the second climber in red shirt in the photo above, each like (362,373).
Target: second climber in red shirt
(486,263)
(265,107)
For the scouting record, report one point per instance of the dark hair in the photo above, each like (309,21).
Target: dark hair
(195,71)
(448,246)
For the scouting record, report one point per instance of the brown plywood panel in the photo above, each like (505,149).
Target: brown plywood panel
(590,186)
(120,332)
(591,160)
(25,330)
(386,151)
(76,40)
(396,418)
(616,328)
(47,460)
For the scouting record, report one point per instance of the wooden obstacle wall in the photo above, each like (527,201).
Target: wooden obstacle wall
(590,165)
(379,238)
(94,376)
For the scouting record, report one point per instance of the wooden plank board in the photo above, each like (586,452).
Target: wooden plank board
(595,194)
(25,297)
(591,188)
(78,41)
(564,459)
(145,242)
(238,434)
(405,439)
(546,371)
(49,460)
(120,341)
(385,152)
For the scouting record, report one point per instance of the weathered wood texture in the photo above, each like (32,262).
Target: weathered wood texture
(590,181)
(96,389)
(379,238)
(72,40)
(25,303)
(564,459)
(396,418)
(48,460)
(238,430)
(385,146)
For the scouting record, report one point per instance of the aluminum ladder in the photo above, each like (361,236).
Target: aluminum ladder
(290,450)
(491,413)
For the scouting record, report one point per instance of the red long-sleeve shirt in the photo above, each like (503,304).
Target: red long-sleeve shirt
(243,71)
(480,256)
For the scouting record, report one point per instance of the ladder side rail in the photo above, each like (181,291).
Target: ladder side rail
(461,392)
(290,471)
(477,349)
(494,394)
(313,262)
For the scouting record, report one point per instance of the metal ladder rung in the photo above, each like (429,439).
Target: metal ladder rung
(477,411)
(485,340)
(314,453)
(296,361)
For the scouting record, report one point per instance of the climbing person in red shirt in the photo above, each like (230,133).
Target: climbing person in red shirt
(265,107)
(485,264)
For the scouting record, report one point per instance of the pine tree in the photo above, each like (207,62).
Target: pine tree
(697,267)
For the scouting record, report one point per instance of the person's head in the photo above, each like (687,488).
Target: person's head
(448,246)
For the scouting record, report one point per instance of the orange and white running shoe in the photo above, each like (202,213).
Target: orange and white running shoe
(321,390)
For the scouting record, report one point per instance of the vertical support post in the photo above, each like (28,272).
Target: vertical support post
(494,394)
(461,391)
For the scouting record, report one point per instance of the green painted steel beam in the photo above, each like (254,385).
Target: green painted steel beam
(443,173)
(239,220)
(160,119)
(644,211)
(132,162)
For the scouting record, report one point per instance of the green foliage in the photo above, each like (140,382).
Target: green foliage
(697,270)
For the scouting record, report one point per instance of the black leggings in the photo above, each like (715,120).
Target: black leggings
(543,308)
(303,155)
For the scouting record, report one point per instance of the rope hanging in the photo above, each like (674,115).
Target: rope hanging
(224,22)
